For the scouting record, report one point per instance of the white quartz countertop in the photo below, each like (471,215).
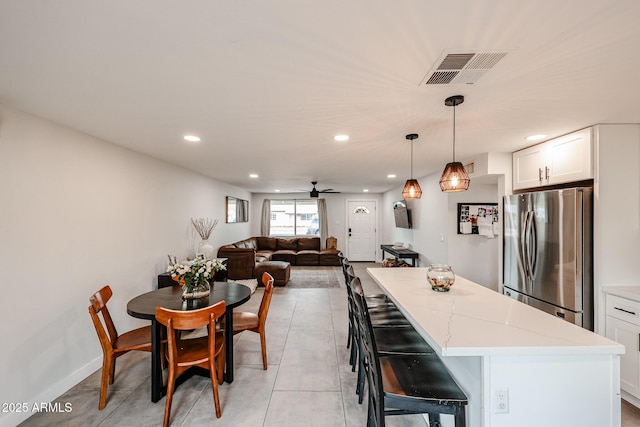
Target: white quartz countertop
(471,320)
(630,292)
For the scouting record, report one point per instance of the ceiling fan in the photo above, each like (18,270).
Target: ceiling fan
(314,193)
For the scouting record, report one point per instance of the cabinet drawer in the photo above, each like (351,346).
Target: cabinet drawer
(623,309)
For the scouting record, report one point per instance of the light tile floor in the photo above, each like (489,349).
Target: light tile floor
(309,381)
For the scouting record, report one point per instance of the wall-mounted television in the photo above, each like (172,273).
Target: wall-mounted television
(402,214)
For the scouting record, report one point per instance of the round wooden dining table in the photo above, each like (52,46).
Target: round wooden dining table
(144,307)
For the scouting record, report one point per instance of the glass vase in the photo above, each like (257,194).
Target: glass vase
(194,291)
(440,277)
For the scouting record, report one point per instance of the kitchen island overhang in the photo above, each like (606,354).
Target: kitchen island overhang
(555,372)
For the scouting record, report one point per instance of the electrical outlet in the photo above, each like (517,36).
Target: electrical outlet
(501,400)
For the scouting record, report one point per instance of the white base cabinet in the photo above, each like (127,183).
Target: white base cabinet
(623,326)
(565,159)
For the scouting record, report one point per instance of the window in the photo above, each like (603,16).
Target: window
(294,218)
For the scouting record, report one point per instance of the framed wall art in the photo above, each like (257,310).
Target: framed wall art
(237,210)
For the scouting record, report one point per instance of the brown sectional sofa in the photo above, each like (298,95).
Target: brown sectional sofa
(243,256)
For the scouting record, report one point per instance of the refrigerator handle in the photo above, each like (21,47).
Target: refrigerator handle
(530,244)
(524,257)
(533,235)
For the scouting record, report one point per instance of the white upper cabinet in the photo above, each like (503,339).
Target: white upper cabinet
(565,159)
(528,167)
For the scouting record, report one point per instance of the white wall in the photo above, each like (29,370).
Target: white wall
(336,212)
(77,213)
(434,233)
(475,257)
(429,222)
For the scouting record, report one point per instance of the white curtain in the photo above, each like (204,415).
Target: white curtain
(322,221)
(265,223)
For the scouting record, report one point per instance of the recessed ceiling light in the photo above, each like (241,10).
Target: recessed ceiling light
(366,190)
(192,138)
(276,190)
(535,137)
(341,138)
(391,175)
(253,175)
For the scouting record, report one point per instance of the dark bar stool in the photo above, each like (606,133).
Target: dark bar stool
(401,384)
(392,336)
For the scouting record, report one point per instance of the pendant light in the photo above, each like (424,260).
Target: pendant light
(411,188)
(454,178)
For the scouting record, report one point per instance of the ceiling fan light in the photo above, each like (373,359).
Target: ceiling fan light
(454,178)
(411,189)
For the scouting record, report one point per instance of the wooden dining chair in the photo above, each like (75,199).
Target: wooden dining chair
(203,352)
(247,321)
(113,345)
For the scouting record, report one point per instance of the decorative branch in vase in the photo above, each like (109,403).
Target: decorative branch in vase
(204,227)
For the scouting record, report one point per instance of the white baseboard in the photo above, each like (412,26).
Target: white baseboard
(631,399)
(51,393)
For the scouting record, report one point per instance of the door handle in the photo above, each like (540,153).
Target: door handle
(546,173)
(540,174)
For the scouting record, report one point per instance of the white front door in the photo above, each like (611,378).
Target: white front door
(361,230)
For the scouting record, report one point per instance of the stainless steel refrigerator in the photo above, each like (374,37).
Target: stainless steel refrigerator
(548,252)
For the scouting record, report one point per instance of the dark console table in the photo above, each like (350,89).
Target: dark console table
(401,253)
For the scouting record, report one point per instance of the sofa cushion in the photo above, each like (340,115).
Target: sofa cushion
(307,257)
(250,243)
(284,255)
(309,244)
(329,257)
(266,243)
(287,244)
(264,254)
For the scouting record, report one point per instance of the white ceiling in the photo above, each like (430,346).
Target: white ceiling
(267,84)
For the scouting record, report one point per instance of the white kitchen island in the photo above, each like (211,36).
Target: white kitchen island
(552,373)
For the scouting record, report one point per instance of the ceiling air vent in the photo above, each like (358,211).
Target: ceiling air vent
(462,67)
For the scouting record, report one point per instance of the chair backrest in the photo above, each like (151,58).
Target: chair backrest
(99,306)
(178,320)
(192,319)
(350,274)
(268,281)
(368,347)
(355,286)
(345,265)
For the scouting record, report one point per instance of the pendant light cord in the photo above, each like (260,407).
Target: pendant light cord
(454,132)
(411,167)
